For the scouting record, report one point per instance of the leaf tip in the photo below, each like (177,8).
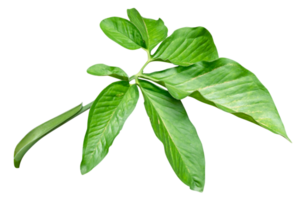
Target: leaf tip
(290,141)
(83,169)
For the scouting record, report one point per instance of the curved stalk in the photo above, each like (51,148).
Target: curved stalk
(150,59)
(42,130)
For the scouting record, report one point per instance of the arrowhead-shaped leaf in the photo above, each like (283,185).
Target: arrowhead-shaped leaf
(173,128)
(105,70)
(122,32)
(106,118)
(187,46)
(227,85)
(152,31)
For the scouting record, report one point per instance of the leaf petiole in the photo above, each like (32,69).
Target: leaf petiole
(42,130)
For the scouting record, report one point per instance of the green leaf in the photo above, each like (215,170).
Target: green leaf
(173,128)
(138,21)
(227,85)
(122,32)
(152,31)
(187,46)
(157,31)
(31,138)
(106,118)
(105,70)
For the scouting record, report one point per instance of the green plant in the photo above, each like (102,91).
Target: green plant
(201,74)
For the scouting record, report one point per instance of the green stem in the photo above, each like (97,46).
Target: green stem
(43,129)
(144,66)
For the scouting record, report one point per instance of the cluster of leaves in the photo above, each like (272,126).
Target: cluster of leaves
(201,74)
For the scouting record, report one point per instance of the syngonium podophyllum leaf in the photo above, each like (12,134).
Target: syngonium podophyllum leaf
(122,32)
(152,31)
(225,84)
(105,70)
(173,128)
(187,46)
(106,118)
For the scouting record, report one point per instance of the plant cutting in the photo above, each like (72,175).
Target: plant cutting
(200,74)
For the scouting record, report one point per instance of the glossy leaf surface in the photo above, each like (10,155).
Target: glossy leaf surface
(152,31)
(122,32)
(106,118)
(187,46)
(42,130)
(173,128)
(105,70)
(225,84)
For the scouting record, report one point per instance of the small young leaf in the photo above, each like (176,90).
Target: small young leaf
(157,32)
(152,31)
(122,32)
(105,70)
(187,46)
(173,128)
(138,21)
(225,84)
(106,118)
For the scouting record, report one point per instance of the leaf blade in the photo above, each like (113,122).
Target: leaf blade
(157,31)
(138,21)
(173,128)
(187,46)
(105,70)
(106,118)
(225,84)
(152,31)
(122,32)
